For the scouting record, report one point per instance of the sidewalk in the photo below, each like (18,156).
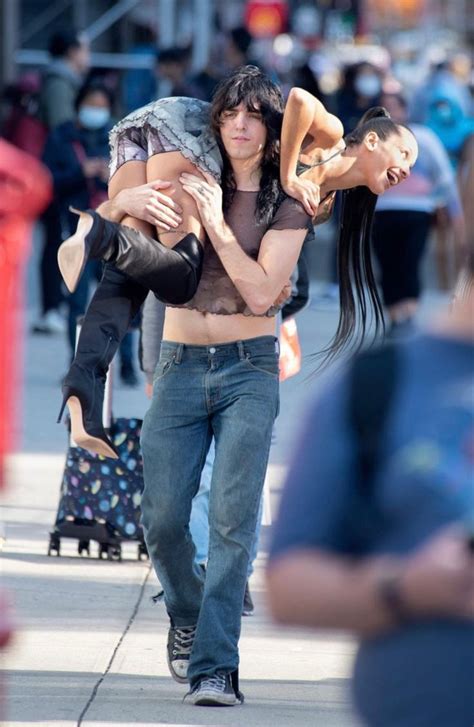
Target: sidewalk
(90,645)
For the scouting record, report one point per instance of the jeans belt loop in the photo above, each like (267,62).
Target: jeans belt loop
(277,347)
(241,350)
(178,353)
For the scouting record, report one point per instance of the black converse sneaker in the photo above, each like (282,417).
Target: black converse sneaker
(219,690)
(180,643)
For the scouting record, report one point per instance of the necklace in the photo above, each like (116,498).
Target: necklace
(323,161)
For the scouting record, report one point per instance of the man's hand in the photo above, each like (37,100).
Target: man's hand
(147,203)
(306,192)
(438,580)
(207,194)
(284,296)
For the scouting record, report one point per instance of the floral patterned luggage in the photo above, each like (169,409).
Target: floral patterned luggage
(100,497)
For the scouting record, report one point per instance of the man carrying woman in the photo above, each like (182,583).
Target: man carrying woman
(218,370)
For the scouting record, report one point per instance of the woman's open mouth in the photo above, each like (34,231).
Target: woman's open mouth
(392,177)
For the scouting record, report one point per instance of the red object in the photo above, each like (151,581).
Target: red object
(290,350)
(25,190)
(266,18)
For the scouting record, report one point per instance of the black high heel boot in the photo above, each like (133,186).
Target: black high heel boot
(91,240)
(115,303)
(83,393)
(173,274)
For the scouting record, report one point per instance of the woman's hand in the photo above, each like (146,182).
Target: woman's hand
(147,203)
(207,194)
(306,192)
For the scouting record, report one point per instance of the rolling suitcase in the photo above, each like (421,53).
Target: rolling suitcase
(100,497)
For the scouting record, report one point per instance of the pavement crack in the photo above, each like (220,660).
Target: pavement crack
(117,647)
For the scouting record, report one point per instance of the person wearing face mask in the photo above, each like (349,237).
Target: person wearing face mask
(360,91)
(76,152)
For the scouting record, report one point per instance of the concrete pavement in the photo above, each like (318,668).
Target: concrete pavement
(90,643)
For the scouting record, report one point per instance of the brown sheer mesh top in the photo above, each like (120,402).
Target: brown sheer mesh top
(216,292)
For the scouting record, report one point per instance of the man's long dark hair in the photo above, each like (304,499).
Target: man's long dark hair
(359,299)
(250,86)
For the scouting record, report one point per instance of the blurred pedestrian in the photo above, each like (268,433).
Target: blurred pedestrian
(63,76)
(77,154)
(238,42)
(376,523)
(172,69)
(442,82)
(465,178)
(361,89)
(405,216)
(60,84)
(25,190)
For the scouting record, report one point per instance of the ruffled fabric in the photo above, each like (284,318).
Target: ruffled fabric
(169,124)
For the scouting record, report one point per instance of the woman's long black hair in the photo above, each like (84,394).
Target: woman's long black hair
(250,86)
(360,303)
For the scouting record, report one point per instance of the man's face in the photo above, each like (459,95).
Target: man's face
(243,133)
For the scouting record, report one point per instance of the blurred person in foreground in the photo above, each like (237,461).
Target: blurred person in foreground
(375,533)
(25,190)
(77,153)
(404,217)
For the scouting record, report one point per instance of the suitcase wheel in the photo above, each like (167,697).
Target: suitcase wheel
(142,551)
(115,552)
(84,546)
(54,546)
(111,552)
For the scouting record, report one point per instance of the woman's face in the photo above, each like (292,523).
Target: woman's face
(387,163)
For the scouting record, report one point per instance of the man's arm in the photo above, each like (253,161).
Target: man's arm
(144,202)
(260,281)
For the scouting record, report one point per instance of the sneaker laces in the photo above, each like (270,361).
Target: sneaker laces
(183,640)
(215,683)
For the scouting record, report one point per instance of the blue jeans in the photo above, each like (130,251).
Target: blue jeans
(229,392)
(199,522)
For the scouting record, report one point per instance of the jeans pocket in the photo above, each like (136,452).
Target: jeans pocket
(264,363)
(162,367)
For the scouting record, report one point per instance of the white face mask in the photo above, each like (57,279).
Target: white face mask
(368,85)
(93,117)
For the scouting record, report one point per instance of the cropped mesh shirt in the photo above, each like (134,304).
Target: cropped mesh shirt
(216,292)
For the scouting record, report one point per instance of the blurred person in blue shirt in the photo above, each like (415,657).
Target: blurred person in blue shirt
(375,533)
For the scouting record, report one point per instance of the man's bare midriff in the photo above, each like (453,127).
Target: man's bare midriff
(190,326)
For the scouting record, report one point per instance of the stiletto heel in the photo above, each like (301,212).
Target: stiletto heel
(84,402)
(61,411)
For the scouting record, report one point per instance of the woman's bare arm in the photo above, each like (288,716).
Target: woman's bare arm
(305,117)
